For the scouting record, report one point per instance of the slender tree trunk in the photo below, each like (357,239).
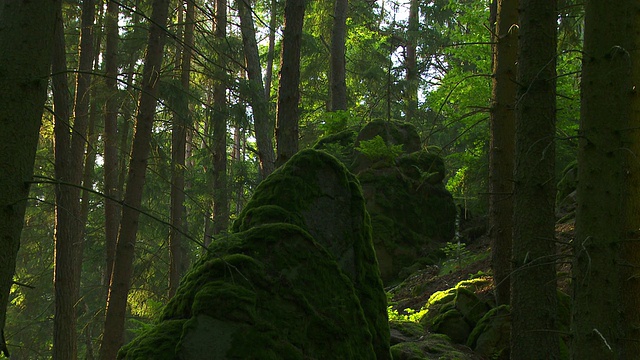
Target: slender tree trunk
(288,113)
(337,65)
(605,319)
(411,63)
(219,128)
(271,50)
(178,152)
(502,147)
(111,168)
(123,265)
(533,282)
(259,102)
(26,46)
(64,266)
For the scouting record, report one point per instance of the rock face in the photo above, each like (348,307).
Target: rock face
(297,279)
(412,214)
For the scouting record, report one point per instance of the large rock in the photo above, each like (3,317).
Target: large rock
(412,214)
(297,279)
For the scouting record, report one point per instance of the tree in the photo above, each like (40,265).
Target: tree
(533,281)
(123,264)
(337,67)
(69,161)
(259,100)
(502,146)
(411,63)
(607,247)
(219,127)
(111,168)
(181,121)
(26,45)
(288,113)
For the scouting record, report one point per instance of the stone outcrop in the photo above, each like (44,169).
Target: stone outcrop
(412,214)
(296,279)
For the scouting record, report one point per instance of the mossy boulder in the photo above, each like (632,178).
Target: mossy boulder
(455,312)
(492,334)
(412,214)
(431,346)
(296,279)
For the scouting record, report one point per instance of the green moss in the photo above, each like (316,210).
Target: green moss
(422,166)
(285,284)
(159,342)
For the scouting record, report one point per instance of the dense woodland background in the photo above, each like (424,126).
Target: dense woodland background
(173,139)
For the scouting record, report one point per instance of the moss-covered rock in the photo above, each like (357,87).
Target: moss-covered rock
(454,312)
(297,274)
(491,336)
(431,346)
(412,212)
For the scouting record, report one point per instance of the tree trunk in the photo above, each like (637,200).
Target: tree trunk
(181,121)
(123,265)
(533,281)
(288,113)
(337,67)
(502,146)
(64,323)
(111,162)
(259,102)
(26,45)
(271,50)
(605,319)
(411,63)
(219,128)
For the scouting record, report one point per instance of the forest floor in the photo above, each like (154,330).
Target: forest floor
(415,290)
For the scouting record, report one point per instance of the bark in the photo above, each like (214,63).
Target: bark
(65,209)
(288,113)
(123,264)
(502,146)
(111,162)
(26,45)
(271,50)
(219,128)
(181,121)
(605,319)
(259,102)
(337,65)
(533,281)
(411,64)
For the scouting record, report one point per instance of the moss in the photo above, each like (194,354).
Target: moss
(159,342)
(432,346)
(285,284)
(422,166)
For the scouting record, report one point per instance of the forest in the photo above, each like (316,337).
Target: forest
(345,179)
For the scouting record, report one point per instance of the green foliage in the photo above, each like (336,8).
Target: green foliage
(457,256)
(377,149)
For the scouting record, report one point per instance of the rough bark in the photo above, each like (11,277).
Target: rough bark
(123,264)
(502,146)
(219,128)
(65,208)
(181,121)
(271,50)
(259,102)
(411,64)
(288,112)
(533,281)
(605,318)
(111,162)
(337,65)
(26,45)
